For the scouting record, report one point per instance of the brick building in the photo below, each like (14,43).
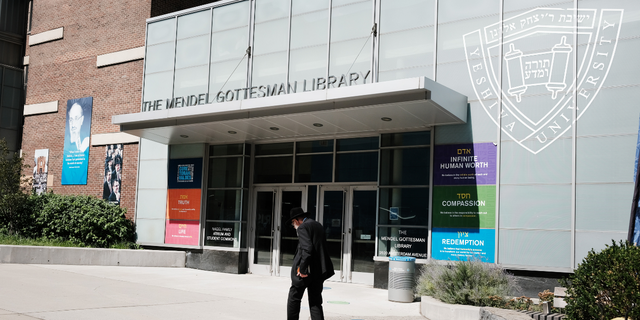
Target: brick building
(89,49)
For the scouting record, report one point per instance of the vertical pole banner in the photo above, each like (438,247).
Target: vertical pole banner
(184,201)
(112,182)
(634,222)
(40,170)
(464,202)
(75,162)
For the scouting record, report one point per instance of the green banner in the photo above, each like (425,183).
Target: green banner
(464,207)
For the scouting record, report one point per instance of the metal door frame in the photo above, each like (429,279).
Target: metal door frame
(346,274)
(356,277)
(274,268)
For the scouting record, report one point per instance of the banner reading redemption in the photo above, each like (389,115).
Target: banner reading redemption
(464,202)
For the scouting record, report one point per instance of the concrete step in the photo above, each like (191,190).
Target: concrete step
(91,256)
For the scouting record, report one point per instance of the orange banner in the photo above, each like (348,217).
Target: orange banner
(184,204)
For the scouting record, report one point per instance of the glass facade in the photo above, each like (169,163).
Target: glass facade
(551,91)
(227,196)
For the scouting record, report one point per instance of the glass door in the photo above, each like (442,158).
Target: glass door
(348,215)
(361,234)
(274,239)
(332,213)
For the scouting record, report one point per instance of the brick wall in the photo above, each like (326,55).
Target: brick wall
(66,69)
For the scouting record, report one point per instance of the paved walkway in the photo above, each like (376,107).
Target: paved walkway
(72,292)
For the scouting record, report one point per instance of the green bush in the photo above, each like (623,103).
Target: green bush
(85,220)
(469,282)
(605,285)
(14,187)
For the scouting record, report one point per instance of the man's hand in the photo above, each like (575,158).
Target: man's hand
(301,275)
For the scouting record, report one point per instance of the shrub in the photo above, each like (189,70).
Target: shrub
(605,285)
(469,282)
(85,220)
(14,188)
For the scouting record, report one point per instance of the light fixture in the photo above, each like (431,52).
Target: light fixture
(385,119)
(318,125)
(232,132)
(274,128)
(184,136)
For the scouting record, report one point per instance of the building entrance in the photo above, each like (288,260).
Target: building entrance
(348,214)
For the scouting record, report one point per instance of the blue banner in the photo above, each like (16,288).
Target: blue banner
(463,243)
(185,173)
(76,141)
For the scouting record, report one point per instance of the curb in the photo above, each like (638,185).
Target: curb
(434,309)
(91,256)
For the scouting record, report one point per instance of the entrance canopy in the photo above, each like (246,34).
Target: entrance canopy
(400,105)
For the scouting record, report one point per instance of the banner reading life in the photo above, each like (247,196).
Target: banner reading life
(76,141)
(464,202)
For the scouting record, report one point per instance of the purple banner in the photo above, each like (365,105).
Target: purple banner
(465,164)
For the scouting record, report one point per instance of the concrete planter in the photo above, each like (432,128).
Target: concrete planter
(434,309)
(91,256)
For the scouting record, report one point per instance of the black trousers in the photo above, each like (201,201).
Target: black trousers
(313,285)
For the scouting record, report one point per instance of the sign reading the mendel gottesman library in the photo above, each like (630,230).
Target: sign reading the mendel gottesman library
(261,91)
(464,202)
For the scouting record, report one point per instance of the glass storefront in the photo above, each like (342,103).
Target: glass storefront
(543,158)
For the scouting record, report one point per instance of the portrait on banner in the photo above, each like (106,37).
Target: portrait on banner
(40,170)
(112,181)
(76,141)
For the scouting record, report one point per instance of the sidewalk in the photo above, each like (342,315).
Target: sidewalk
(68,292)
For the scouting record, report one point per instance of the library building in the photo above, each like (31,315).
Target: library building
(498,130)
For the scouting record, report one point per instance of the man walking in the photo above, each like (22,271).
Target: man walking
(311,265)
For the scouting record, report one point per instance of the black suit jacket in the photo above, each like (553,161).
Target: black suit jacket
(312,255)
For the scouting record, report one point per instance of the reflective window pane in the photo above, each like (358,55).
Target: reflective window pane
(404,206)
(353,167)
(404,166)
(194,24)
(274,148)
(368,143)
(406,39)
(224,205)
(190,81)
(192,51)
(314,168)
(314,146)
(161,31)
(226,150)
(406,139)
(350,33)
(269,50)
(273,170)
(225,172)
(160,57)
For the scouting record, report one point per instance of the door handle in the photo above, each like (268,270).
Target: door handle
(349,230)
